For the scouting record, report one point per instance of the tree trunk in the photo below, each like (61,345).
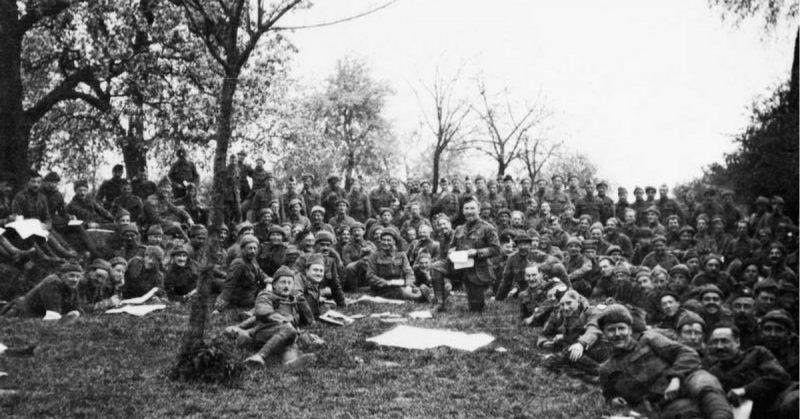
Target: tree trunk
(134,150)
(350,167)
(793,81)
(14,127)
(437,157)
(501,168)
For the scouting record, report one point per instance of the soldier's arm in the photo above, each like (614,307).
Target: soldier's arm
(492,248)
(407,271)
(336,285)
(102,211)
(683,360)
(585,269)
(772,378)
(231,281)
(374,280)
(263,307)
(506,282)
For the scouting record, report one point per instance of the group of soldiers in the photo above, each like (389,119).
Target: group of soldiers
(675,307)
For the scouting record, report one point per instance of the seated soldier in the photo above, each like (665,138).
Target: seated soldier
(235,250)
(181,277)
(279,312)
(779,336)
(752,374)
(422,270)
(678,281)
(692,331)
(96,291)
(271,255)
(265,221)
(713,311)
(331,286)
(742,305)
(309,282)
(85,208)
(670,312)
(56,292)
(389,273)
(354,257)
(129,246)
(144,273)
(119,266)
(513,277)
(244,278)
(660,256)
(714,275)
(155,236)
(579,349)
(541,296)
(653,374)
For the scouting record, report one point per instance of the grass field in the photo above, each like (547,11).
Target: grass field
(116,365)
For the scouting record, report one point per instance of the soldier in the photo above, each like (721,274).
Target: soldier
(141,186)
(263,198)
(310,197)
(713,274)
(144,273)
(573,190)
(341,219)
(752,374)
(446,203)
(479,239)
(360,206)
(513,278)
(639,205)
(182,275)
(590,204)
(522,199)
(334,271)
(244,171)
(30,202)
(130,245)
(244,278)
(779,336)
(85,208)
(289,195)
(110,189)
(130,202)
(394,185)
(354,256)
(652,373)
(331,195)
(389,273)
(622,202)
(557,198)
(607,204)
(55,200)
(259,176)
(182,170)
(659,256)
(159,209)
(56,292)
(666,205)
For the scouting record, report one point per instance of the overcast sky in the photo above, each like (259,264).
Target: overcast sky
(651,90)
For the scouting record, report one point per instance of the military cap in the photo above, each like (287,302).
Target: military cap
(121,213)
(70,267)
(391,231)
(762,200)
(690,317)
(82,183)
(654,209)
(292,250)
(283,272)
(742,292)
(726,192)
(155,229)
(613,248)
(333,178)
(154,252)
(710,192)
(659,238)
(100,264)
(322,236)
(508,178)
(504,211)
(554,177)
(317,208)
(778,200)
(197,229)
(278,229)
(247,239)
(179,249)
(572,176)
(52,177)
(343,201)
(649,188)
(768,285)
(686,229)
(709,288)
(315,259)
(573,240)
(118,260)
(523,238)
(622,269)
(385,209)
(602,183)
(307,176)
(585,217)
(614,313)
(128,228)
(533,233)
(638,189)
(680,269)
(486,205)
(589,244)
(712,256)
(621,191)
(779,316)
(479,177)
(673,217)
(294,201)
(241,227)
(356,225)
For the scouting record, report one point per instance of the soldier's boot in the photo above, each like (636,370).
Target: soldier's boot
(439,290)
(426,294)
(714,404)
(284,337)
(60,250)
(12,252)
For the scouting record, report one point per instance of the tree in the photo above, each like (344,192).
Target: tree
(350,114)
(536,153)
(506,129)
(574,162)
(230,31)
(449,123)
(57,51)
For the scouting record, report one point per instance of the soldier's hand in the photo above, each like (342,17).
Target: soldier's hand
(575,352)
(471,253)
(619,402)
(674,386)
(528,321)
(114,301)
(735,396)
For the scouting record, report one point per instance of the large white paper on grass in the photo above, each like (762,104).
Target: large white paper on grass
(140,300)
(139,311)
(461,260)
(28,227)
(337,318)
(744,410)
(380,300)
(51,315)
(410,337)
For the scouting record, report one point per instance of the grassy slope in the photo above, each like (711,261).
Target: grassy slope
(114,366)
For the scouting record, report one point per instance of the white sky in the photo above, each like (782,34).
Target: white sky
(652,90)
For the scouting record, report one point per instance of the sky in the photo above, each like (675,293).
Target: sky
(652,91)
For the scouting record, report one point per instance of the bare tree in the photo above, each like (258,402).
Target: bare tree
(506,129)
(536,153)
(450,121)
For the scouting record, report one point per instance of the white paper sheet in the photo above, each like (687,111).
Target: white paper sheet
(73,223)
(335,317)
(461,260)
(28,227)
(140,300)
(139,311)
(2,348)
(2,230)
(744,410)
(422,314)
(418,338)
(51,315)
(380,300)
(385,315)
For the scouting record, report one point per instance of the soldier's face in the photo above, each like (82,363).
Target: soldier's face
(750,274)
(471,210)
(386,217)
(316,273)
(394,183)
(652,217)
(645,283)
(568,306)
(123,220)
(532,276)
(507,248)
(72,279)
(426,187)
(249,251)
(82,192)
(291,184)
(283,286)
(545,208)
(660,247)
(651,194)
(424,232)
(743,306)
(711,302)
(443,225)
(323,247)
(605,267)
(154,239)
(691,335)
(673,224)
(181,259)
(524,247)
(316,216)
(526,184)
(387,243)
(503,218)
(275,238)
(357,233)
(223,235)
(663,190)
(638,194)
(130,237)
(773,334)
(678,280)
(630,217)
(116,174)
(669,305)
(341,208)
(127,190)
(574,249)
(557,183)
(415,211)
(765,300)
(516,220)
(601,190)
(712,267)
(722,344)
(118,274)
(617,334)
(596,234)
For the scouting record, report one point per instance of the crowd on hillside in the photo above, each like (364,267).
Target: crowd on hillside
(675,307)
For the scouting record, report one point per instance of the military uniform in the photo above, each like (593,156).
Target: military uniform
(558,200)
(109,190)
(481,236)
(51,294)
(382,268)
(360,206)
(589,205)
(132,203)
(139,280)
(31,204)
(88,210)
(243,281)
